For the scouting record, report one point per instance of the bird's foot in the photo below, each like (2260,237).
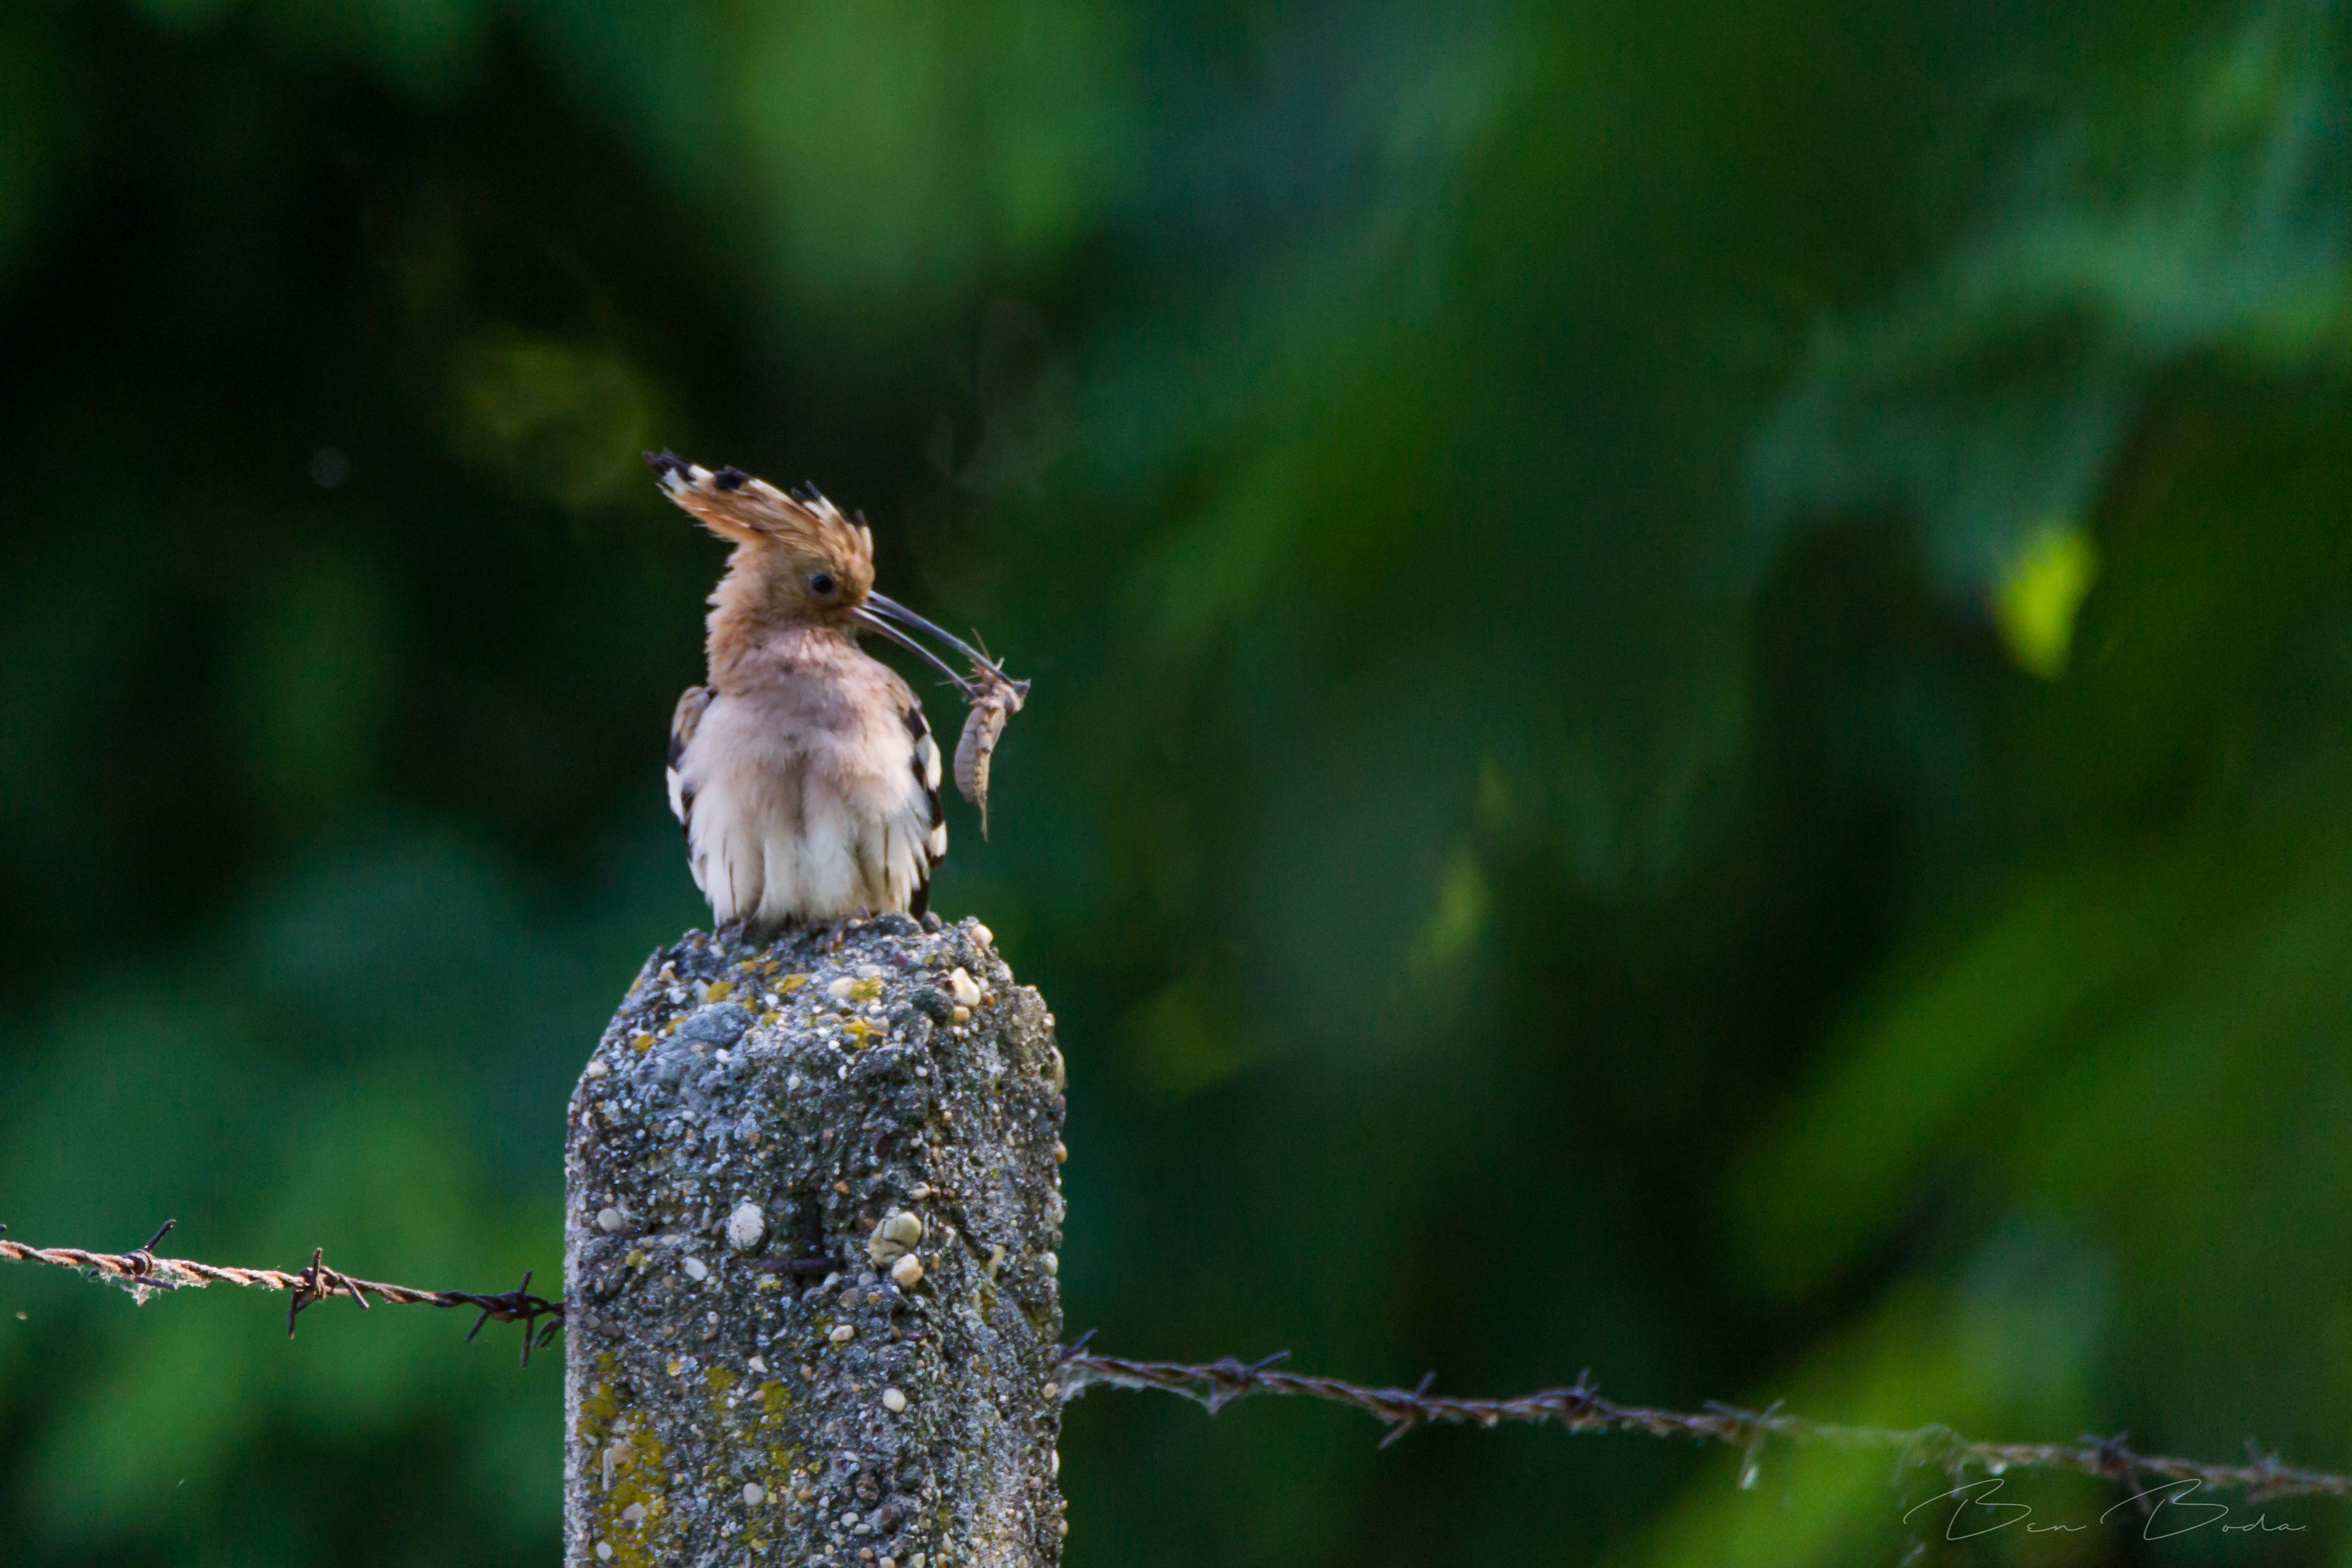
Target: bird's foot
(838,932)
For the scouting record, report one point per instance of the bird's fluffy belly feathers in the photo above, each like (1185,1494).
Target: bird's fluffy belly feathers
(811,809)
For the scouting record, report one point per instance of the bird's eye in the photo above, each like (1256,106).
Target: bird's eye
(822,583)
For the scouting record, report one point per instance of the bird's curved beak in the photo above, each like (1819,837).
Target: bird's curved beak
(879,612)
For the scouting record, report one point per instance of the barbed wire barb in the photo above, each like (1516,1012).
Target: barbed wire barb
(140,1272)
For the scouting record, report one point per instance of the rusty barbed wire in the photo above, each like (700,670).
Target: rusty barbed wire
(142,1273)
(1580,1408)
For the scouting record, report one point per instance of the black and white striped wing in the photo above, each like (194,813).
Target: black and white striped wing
(934,836)
(682,722)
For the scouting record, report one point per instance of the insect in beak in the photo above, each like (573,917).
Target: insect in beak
(997,700)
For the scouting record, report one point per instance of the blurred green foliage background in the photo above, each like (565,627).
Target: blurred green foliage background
(1692,669)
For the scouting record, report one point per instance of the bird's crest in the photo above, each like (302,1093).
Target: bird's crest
(748,511)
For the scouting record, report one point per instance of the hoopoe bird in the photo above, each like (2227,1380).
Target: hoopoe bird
(803,774)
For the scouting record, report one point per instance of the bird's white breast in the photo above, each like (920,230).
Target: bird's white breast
(804,798)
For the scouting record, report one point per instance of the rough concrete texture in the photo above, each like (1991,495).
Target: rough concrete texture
(750,1105)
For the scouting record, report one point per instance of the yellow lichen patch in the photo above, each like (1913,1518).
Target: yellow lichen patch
(787,1461)
(601,1403)
(720,990)
(860,1030)
(625,1502)
(861,990)
(774,1400)
(636,1542)
(791,983)
(719,1379)
(771,1016)
(642,1043)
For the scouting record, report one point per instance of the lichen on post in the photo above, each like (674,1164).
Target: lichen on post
(813,1203)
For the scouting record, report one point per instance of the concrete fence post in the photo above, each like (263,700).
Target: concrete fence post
(813,1203)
